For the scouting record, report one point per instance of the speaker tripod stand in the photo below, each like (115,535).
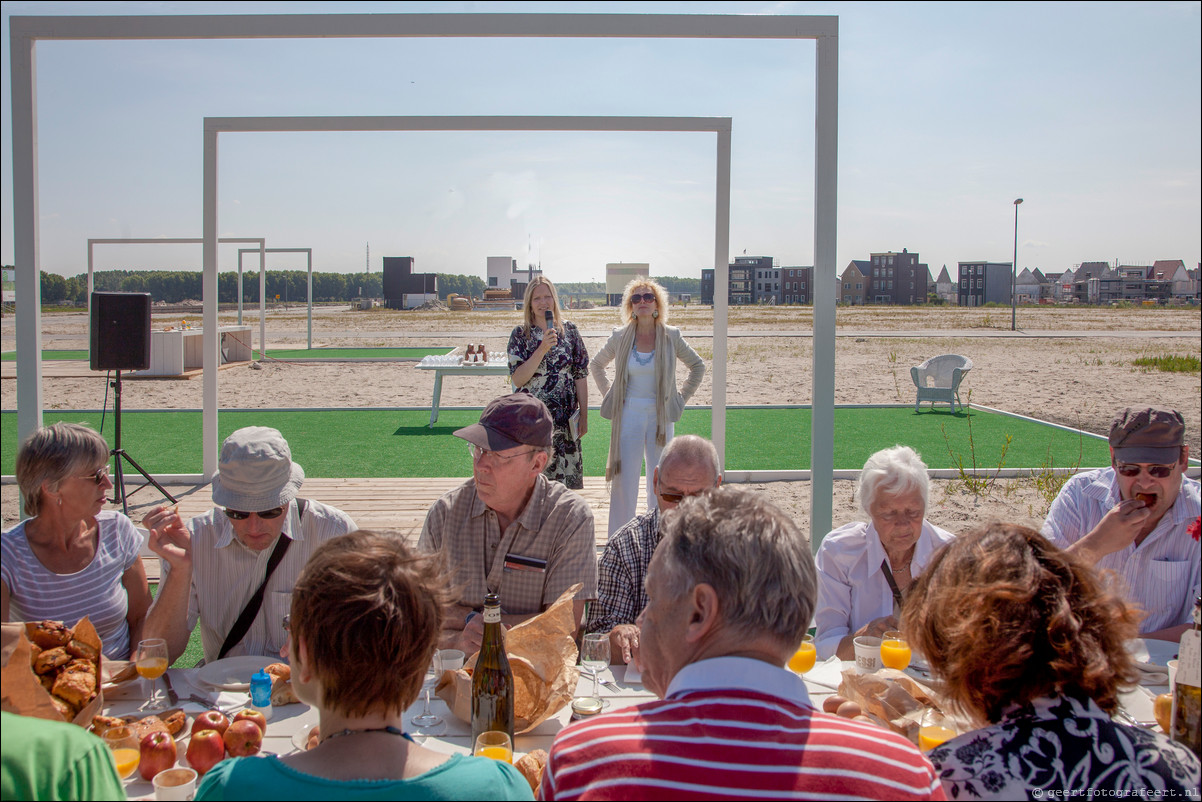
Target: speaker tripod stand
(118,453)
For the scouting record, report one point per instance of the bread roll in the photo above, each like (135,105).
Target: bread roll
(531,766)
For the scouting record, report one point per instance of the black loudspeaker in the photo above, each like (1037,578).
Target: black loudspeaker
(120,331)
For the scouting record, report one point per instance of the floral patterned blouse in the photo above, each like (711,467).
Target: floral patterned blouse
(554,381)
(1059,747)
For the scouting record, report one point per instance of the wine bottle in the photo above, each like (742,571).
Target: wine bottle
(492,681)
(1187,699)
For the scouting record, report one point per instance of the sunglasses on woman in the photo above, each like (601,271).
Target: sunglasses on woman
(99,476)
(649,297)
(1131,470)
(266,515)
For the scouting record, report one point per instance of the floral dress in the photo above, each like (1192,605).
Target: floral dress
(1053,748)
(554,383)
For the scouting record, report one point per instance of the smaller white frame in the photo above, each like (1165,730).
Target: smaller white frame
(263,290)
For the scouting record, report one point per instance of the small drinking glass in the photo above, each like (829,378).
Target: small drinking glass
(123,745)
(594,658)
(805,657)
(935,727)
(895,650)
(494,744)
(150,659)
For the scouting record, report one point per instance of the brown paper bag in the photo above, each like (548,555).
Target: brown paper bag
(542,654)
(21,691)
(891,697)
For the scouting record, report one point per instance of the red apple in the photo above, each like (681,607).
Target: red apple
(243,738)
(253,715)
(205,750)
(157,750)
(210,720)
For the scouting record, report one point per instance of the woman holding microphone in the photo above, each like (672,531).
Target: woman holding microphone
(547,358)
(643,401)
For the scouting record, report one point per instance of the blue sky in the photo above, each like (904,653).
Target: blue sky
(948,112)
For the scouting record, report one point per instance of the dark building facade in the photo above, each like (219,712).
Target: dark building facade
(896,278)
(400,281)
(985,282)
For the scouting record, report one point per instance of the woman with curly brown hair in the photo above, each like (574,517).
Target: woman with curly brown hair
(1031,647)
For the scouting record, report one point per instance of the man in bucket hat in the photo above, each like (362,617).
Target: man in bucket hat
(1133,518)
(214,568)
(509,529)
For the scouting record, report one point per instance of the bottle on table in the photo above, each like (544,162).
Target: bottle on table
(1187,698)
(492,680)
(470,356)
(260,693)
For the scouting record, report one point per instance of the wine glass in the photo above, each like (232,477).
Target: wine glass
(426,722)
(935,727)
(804,658)
(594,657)
(123,745)
(494,744)
(150,658)
(895,650)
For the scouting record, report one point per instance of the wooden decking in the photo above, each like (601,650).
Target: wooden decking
(396,505)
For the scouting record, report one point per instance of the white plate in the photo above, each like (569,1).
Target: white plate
(300,738)
(233,673)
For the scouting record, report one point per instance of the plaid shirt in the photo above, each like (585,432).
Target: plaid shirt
(621,572)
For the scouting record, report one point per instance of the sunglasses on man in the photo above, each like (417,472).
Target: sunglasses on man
(266,515)
(1131,470)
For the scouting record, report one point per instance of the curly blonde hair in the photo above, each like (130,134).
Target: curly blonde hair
(661,296)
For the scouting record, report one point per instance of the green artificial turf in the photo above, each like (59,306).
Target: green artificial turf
(354,353)
(48,355)
(391,443)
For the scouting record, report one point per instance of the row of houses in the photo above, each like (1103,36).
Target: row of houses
(902,278)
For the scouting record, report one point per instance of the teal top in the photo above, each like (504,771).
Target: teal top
(55,760)
(461,777)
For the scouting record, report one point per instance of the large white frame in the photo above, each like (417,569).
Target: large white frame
(25,32)
(263,290)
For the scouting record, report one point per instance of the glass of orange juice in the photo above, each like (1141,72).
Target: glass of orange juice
(935,728)
(494,744)
(804,658)
(895,650)
(150,658)
(123,745)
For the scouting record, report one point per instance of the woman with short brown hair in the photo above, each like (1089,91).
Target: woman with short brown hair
(366,613)
(1031,646)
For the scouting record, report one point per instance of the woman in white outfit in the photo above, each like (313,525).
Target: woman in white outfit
(643,402)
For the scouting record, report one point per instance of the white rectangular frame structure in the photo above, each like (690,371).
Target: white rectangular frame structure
(25,32)
(263,290)
(215,126)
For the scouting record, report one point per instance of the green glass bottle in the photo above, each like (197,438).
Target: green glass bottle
(1187,700)
(492,681)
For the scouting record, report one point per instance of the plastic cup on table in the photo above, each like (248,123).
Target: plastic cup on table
(868,654)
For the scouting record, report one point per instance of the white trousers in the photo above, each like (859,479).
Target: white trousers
(636,443)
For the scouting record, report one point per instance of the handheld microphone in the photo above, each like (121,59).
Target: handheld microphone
(550,319)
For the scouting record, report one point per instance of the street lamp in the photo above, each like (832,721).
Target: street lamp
(1014,269)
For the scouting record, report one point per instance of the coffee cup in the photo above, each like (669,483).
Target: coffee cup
(175,784)
(868,654)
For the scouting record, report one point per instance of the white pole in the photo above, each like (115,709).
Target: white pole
(721,280)
(27,273)
(209,362)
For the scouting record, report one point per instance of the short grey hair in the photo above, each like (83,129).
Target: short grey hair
(52,453)
(893,471)
(692,449)
(750,552)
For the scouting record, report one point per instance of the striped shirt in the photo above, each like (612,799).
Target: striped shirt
(621,570)
(95,592)
(1163,574)
(547,549)
(225,574)
(733,728)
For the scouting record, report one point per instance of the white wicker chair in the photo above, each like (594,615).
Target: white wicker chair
(938,379)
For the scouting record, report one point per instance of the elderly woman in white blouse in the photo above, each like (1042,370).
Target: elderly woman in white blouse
(864,569)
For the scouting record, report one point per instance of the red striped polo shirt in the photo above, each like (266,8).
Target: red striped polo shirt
(756,738)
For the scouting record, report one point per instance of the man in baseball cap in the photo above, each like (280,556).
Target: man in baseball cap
(509,529)
(1132,518)
(214,568)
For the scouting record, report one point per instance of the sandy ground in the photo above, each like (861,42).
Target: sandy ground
(1069,366)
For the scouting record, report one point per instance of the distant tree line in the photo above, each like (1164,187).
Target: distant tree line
(174,286)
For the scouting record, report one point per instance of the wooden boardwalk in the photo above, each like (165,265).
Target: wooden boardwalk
(395,505)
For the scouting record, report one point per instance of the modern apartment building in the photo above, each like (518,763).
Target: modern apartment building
(985,282)
(897,278)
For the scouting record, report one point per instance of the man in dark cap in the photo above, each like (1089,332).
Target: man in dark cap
(509,529)
(1133,518)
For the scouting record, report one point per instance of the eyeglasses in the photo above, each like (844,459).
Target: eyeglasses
(893,516)
(1131,470)
(99,477)
(649,297)
(676,498)
(266,515)
(479,454)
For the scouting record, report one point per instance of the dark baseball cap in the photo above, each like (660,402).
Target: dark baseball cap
(509,421)
(1150,435)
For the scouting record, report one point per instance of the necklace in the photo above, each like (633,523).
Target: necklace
(904,566)
(389,729)
(639,359)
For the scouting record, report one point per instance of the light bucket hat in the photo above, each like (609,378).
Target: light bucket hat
(256,471)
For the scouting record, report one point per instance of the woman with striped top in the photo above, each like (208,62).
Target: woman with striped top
(72,558)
